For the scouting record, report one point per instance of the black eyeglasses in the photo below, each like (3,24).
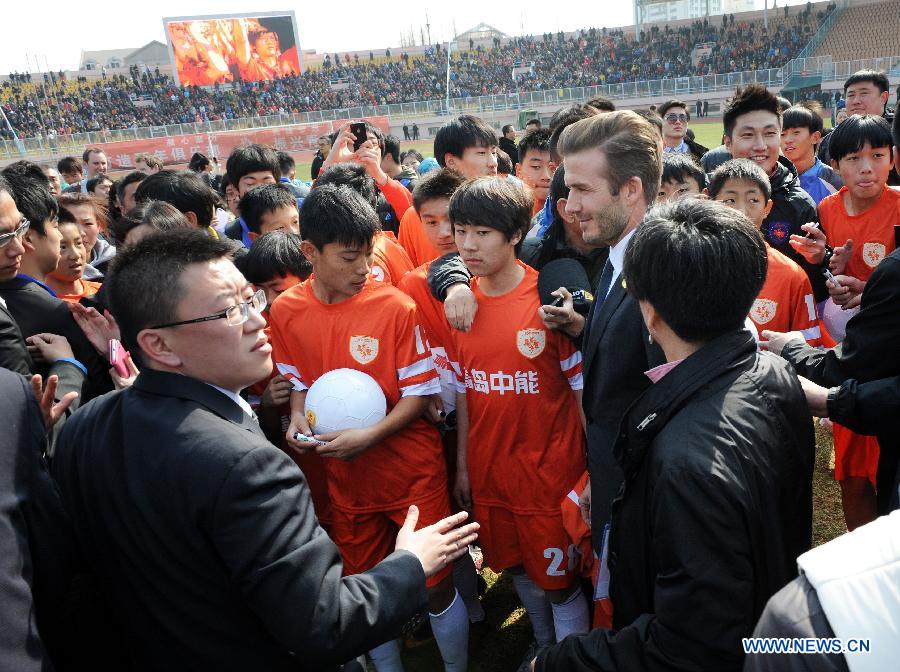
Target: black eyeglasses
(234,315)
(20,231)
(672,118)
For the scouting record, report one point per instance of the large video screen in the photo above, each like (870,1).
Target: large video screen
(210,50)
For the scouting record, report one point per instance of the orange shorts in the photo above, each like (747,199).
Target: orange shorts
(539,543)
(854,455)
(365,539)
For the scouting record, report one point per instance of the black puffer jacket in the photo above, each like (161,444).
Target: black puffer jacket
(792,208)
(715,508)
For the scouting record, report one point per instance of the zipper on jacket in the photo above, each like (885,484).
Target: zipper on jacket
(646,421)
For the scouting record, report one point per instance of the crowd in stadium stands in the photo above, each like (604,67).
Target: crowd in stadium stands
(590,57)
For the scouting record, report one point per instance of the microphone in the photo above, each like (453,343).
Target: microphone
(566,273)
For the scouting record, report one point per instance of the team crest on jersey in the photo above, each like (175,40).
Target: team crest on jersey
(763,310)
(378,273)
(363,349)
(873,253)
(531,342)
(311,418)
(779,232)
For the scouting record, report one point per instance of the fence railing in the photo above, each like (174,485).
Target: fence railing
(824,29)
(657,88)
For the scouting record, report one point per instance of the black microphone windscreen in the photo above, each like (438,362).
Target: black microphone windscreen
(566,273)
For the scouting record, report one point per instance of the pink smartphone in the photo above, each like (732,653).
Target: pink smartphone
(117,356)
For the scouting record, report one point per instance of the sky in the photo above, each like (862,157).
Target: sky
(54,33)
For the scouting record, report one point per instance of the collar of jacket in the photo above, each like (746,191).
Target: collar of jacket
(165,384)
(651,412)
(785,173)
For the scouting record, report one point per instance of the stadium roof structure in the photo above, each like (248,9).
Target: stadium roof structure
(480,32)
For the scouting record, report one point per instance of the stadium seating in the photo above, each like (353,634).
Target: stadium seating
(864,31)
(586,58)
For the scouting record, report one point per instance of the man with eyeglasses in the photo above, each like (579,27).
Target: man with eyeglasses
(201,533)
(675,118)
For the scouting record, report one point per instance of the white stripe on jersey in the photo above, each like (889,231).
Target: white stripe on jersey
(574,360)
(433,386)
(811,333)
(576,382)
(292,374)
(573,496)
(416,369)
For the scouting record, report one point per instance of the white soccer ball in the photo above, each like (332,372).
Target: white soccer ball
(344,399)
(835,319)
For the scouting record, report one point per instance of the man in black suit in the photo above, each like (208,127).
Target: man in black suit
(202,534)
(613,166)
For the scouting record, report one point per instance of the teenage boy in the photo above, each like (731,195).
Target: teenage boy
(467,145)
(392,166)
(753,131)
(391,260)
(785,302)
(247,167)
(675,118)
(681,176)
(801,131)
(66,279)
(859,227)
(375,473)
(519,394)
(269,207)
(70,169)
(535,168)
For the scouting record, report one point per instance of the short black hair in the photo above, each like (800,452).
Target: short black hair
(144,284)
(337,214)
(440,183)
(534,140)
(857,130)
(31,193)
(533,120)
(130,178)
(184,189)
(275,255)
(377,132)
(507,127)
(91,185)
(160,215)
(504,163)
(69,164)
(678,166)
(783,103)
(503,205)
(699,264)
(64,216)
(555,236)
(458,135)
(798,116)
(877,78)
(666,106)
(285,164)
(739,169)
(601,103)
(753,98)
(261,199)
(152,160)
(198,162)
(414,153)
(252,159)
(392,147)
(352,175)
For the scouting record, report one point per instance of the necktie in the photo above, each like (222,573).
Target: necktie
(602,290)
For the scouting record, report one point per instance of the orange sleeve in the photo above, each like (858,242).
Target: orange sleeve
(412,239)
(398,196)
(282,355)
(416,375)
(803,309)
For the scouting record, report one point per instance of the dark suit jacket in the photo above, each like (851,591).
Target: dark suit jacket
(35,538)
(616,353)
(204,539)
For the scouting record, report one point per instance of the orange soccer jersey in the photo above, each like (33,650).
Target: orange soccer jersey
(88,288)
(376,332)
(785,302)
(431,314)
(413,239)
(526,446)
(872,231)
(391,261)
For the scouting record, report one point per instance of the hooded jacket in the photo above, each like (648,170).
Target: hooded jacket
(102,253)
(715,508)
(792,208)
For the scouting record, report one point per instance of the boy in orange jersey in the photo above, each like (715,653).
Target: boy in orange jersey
(67,280)
(536,168)
(466,145)
(391,261)
(521,438)
(785,302)
(858,223)
(342,318)
(431,199)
